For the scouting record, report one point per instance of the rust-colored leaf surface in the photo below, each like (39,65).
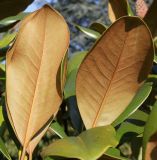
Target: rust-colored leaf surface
(117,9)
(32,70)
(113,71)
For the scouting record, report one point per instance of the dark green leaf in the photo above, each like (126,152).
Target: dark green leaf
(98,27)
(4,150)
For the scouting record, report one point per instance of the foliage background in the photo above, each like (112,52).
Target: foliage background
(83,13)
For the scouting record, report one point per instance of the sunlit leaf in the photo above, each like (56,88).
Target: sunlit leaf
(137,101)
(2,66)
(113,71)
(34,94)
(91,33)
(150,136)
(13,19)
(90,144)
(7,39)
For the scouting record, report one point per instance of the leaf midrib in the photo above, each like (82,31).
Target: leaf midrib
(109,86)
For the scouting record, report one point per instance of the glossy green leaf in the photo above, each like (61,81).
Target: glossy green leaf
(98,27)
(13,19)
(72,69)
(91,33)
(58,129)
(7,39)
(139,115)
(137,101)
(3,150)
(149,136)
(89,145)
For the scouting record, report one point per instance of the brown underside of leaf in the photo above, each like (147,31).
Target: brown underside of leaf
(113,71)
(33,85)
(117,9)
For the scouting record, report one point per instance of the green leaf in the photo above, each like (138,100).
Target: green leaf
(149,131)
(72,70)
(75,61)
(58,129)
(2,66)
(7,39)
(1,116)
(114,153)
(3,149)
(13,19)
(89,32)
(139,115)
(130,12)
(89,145)
(98,27)
(137,101)
(129,127)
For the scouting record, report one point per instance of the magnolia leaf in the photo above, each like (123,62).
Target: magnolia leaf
(3,150)
(137,101)
(72,70)
(13,19)
(7,39)
(117,9)
(141,8)
(113,154)
(89,32)
(12,7)
(150,18)
(56,128)
(35,59)
(150,136)
(98,27)
(90,144)
(113,71)
(2,66)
